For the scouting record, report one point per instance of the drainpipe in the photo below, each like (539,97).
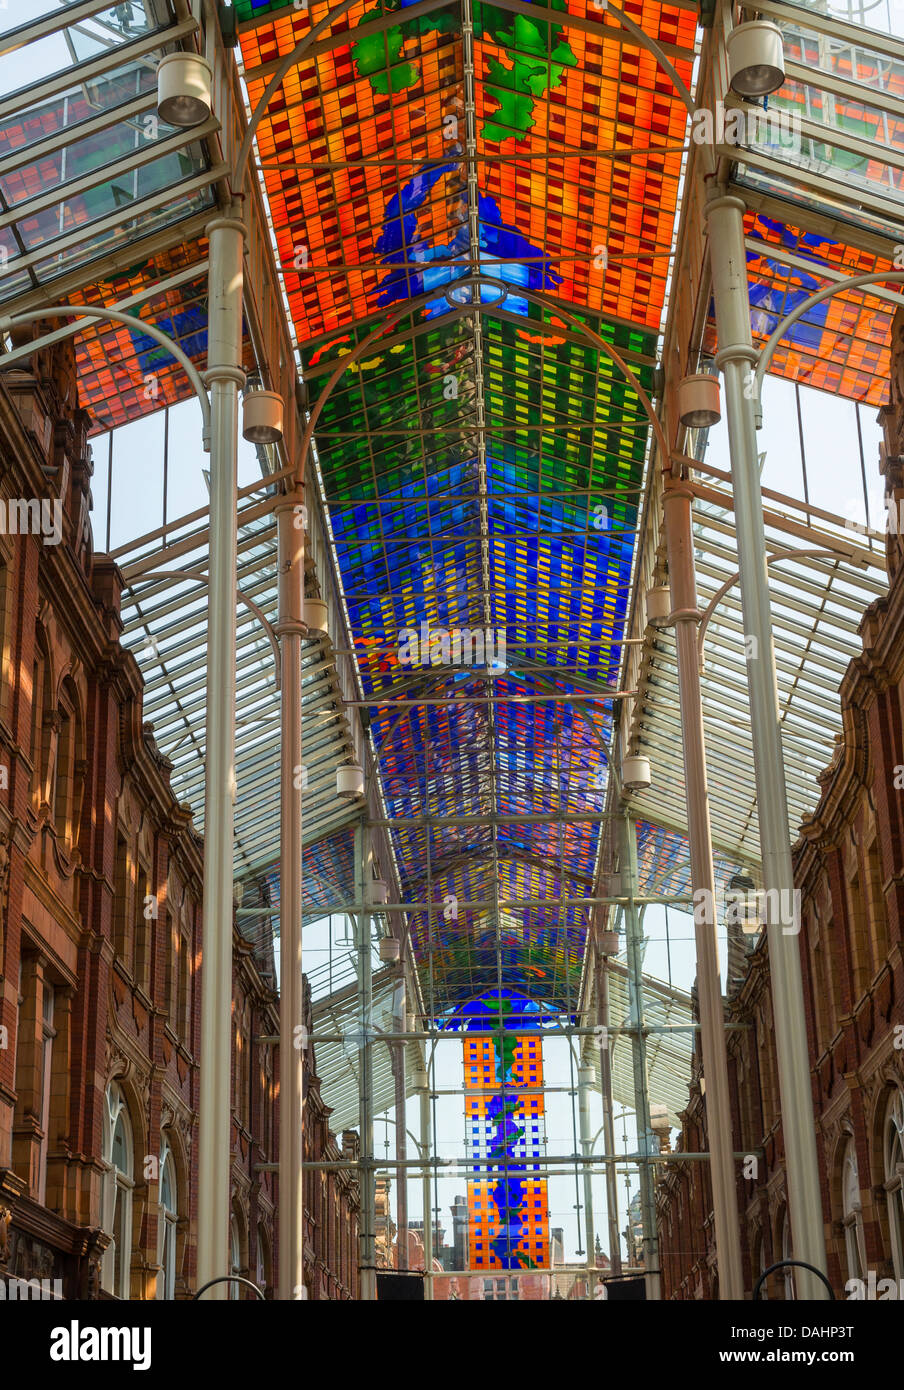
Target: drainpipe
(645,1144)
(224,377)
(737,359)
(585,1081)
(422,1086)
(602,995)
(290,535)
(364,872)
(398,1071)
(683,585)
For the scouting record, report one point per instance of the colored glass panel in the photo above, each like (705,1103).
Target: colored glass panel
(504,1117)
(841,345)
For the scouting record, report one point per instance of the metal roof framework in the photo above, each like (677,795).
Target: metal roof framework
(462,466)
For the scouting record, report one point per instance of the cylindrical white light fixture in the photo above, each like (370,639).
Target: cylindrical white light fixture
(635,774)
(607,941)
(350,781)
(659,1118)
(699,404)
(184,89)
(659,604)
(756,58)
(379,891)
(315,617)
(389,950)
(262,417)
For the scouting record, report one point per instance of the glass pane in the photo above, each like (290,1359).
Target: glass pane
(35,62)
(118,1155)
(166,1189)
(79,103)
(141,223)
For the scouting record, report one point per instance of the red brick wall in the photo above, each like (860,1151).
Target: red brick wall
(58,901)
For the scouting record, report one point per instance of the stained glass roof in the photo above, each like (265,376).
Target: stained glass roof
(468,459)
(483,467)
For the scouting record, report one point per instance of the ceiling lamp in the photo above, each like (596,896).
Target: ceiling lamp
(698,401)
(390,950)
(635,774)
(659,604)
(607,943)
(350,781)
(379,892)
(315,617)
(756,58)
(184,89)
(262,417)
(659,1119)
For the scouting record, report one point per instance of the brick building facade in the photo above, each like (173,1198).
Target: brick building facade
(100,929)
(849,868)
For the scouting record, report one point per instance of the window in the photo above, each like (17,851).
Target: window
(877,910)
(5,662)
(266,1096)
(894,1178)
(262,1278)
(235,1257)
(68,770)
(166,1283)
(119,1156)
(852,1213)
(143,928)
(787,1271)
(40,707)
(63,779)
(183,1006)
(241,1071)
(48,1034)
(169,994)
(859,938)
(759,1263)
(121,904)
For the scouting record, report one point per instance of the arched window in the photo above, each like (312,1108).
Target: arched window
(48,1033)
(759,1262)
(235,1256)
(262,1271)
(69,770)
(894,1178)
(120,1157)
(852,1213)
(41,698)
(166,1285)
(787,1254)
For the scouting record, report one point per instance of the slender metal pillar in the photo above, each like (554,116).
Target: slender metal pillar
(683,584)
(422,1086)
(398,1070)
(602,1016)
(290,535)
(224,376)
(645,1139)
(736,358)
(585,1081)
(367,1237)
